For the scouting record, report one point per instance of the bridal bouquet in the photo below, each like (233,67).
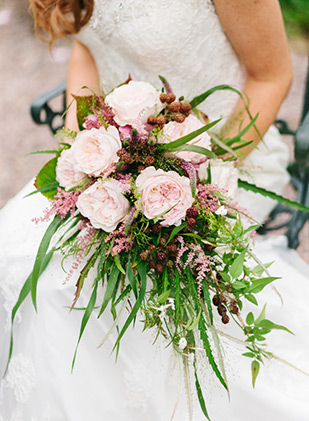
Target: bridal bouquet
(143,197)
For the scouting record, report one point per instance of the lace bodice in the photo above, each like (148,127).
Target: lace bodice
(181,40)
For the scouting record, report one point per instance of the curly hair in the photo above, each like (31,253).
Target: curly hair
(55,19)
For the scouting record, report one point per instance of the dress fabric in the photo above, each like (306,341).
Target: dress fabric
(184,42)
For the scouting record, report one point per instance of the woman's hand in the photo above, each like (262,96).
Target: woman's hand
(256,31)
(82,72)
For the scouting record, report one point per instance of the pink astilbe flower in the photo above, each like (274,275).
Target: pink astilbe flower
(109,170)
(62,204)
(91,122)
(123,241)
(206,197)
(196,259)
(84,241)
(191,171)
(125,180)
(105,112)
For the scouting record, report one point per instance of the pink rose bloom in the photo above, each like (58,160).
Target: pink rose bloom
(134,102)
(68,173)
(173,131)
(104,204)
(161,191)
(96,149)
(223,174)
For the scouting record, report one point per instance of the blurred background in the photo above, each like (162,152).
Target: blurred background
(28,69)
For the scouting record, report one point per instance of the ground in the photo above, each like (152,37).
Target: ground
(28,70)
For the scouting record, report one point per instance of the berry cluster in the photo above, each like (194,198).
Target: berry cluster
(160,256)
(220,302)
(174,110)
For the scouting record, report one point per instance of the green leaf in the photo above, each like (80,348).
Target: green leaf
(176,231)
(185,139)
(248,354)
(110,288)
(196,149)
(50,151)
(255,368)
(238,285)
(41,255)
(200,394)
(47,177)
(164,296)
(21,298)
(270,325)
(132,279)
(142,270)
(259,270)
(208,302)
(195,322)
(267,193)
(250,318)
(237,265)
(259,284)
(118,264)
(86,317)
(202,97)
(48,189)
(251,298)
(244,131)
(208,351)
(262,315)
(84,104)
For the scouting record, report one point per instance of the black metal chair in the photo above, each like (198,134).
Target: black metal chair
(43,114)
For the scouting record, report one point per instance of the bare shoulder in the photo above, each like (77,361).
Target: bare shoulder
(256,31)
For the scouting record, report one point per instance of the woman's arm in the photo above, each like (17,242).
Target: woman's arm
(82,72)
(256,32)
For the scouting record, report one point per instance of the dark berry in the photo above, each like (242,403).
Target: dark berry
(152,119)
(152,248)
(144,255)
(159,268)
(152,264)
(216,300)
(170,264)
(161,256)
(161,120)
(221,309)
(170,98)
(174,107)
(149,160)
(191,222)
(162,241)
(225,319)
(229,288)
(141,168)
(186,107)
(234,309)
(156,228)
(163,97)
(179,118)
(172,248)
(192,212)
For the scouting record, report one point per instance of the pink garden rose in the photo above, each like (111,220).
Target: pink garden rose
(68,173)
(173,131)
(223,174)
(96,149)
(134,102)
(104,204)
(160,191)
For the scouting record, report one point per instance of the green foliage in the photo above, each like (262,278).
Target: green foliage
(45,181)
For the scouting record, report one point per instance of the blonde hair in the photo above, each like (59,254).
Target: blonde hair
(55,19)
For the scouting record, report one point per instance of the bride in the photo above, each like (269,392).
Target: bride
(195,44)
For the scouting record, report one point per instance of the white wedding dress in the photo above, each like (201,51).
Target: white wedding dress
(184,42)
